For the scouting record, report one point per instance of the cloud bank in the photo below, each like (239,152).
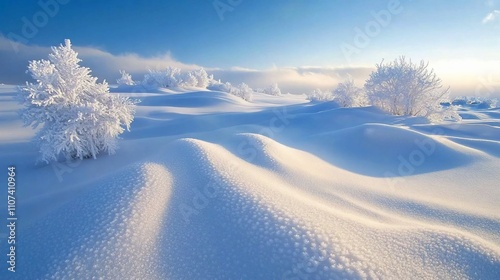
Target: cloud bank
(466,77)
(105,65)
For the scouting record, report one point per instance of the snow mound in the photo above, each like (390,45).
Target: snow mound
(384,150)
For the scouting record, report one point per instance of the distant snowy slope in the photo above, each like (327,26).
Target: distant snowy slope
(209,186)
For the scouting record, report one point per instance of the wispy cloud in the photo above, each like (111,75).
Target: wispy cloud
(491,17)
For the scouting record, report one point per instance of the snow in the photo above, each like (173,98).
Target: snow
(207,185)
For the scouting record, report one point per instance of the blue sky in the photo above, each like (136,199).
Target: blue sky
(258,34)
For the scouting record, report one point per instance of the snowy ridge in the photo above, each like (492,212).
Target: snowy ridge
(228,189)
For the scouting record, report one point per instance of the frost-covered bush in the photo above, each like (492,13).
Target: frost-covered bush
(174,78)
(318,95)
(347,94)
(79,117)
(125,79)
(404,88)
(187,79)
(167,78)
(242,90)
(220,86)
(203,79)
(273,90)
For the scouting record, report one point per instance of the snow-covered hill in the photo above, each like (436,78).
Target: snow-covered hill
(209,186)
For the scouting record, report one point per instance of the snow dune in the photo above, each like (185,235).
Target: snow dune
(209,186)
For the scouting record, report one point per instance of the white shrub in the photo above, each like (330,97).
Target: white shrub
(219,86)
(348,95)
(153,79)
(405,88)
(174,78)
(203,79)
(125,79)
(242,90)
(167,78)
(79,117)
(273,90)
(318,95)
(186,79)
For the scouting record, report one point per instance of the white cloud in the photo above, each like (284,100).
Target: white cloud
(491,17)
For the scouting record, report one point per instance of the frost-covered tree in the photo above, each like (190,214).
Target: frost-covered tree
(125,79)
(319,95)
(79,118)
(405,88)
(347,94)
(273,90)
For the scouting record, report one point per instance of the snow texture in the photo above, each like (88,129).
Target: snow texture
(210,186)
